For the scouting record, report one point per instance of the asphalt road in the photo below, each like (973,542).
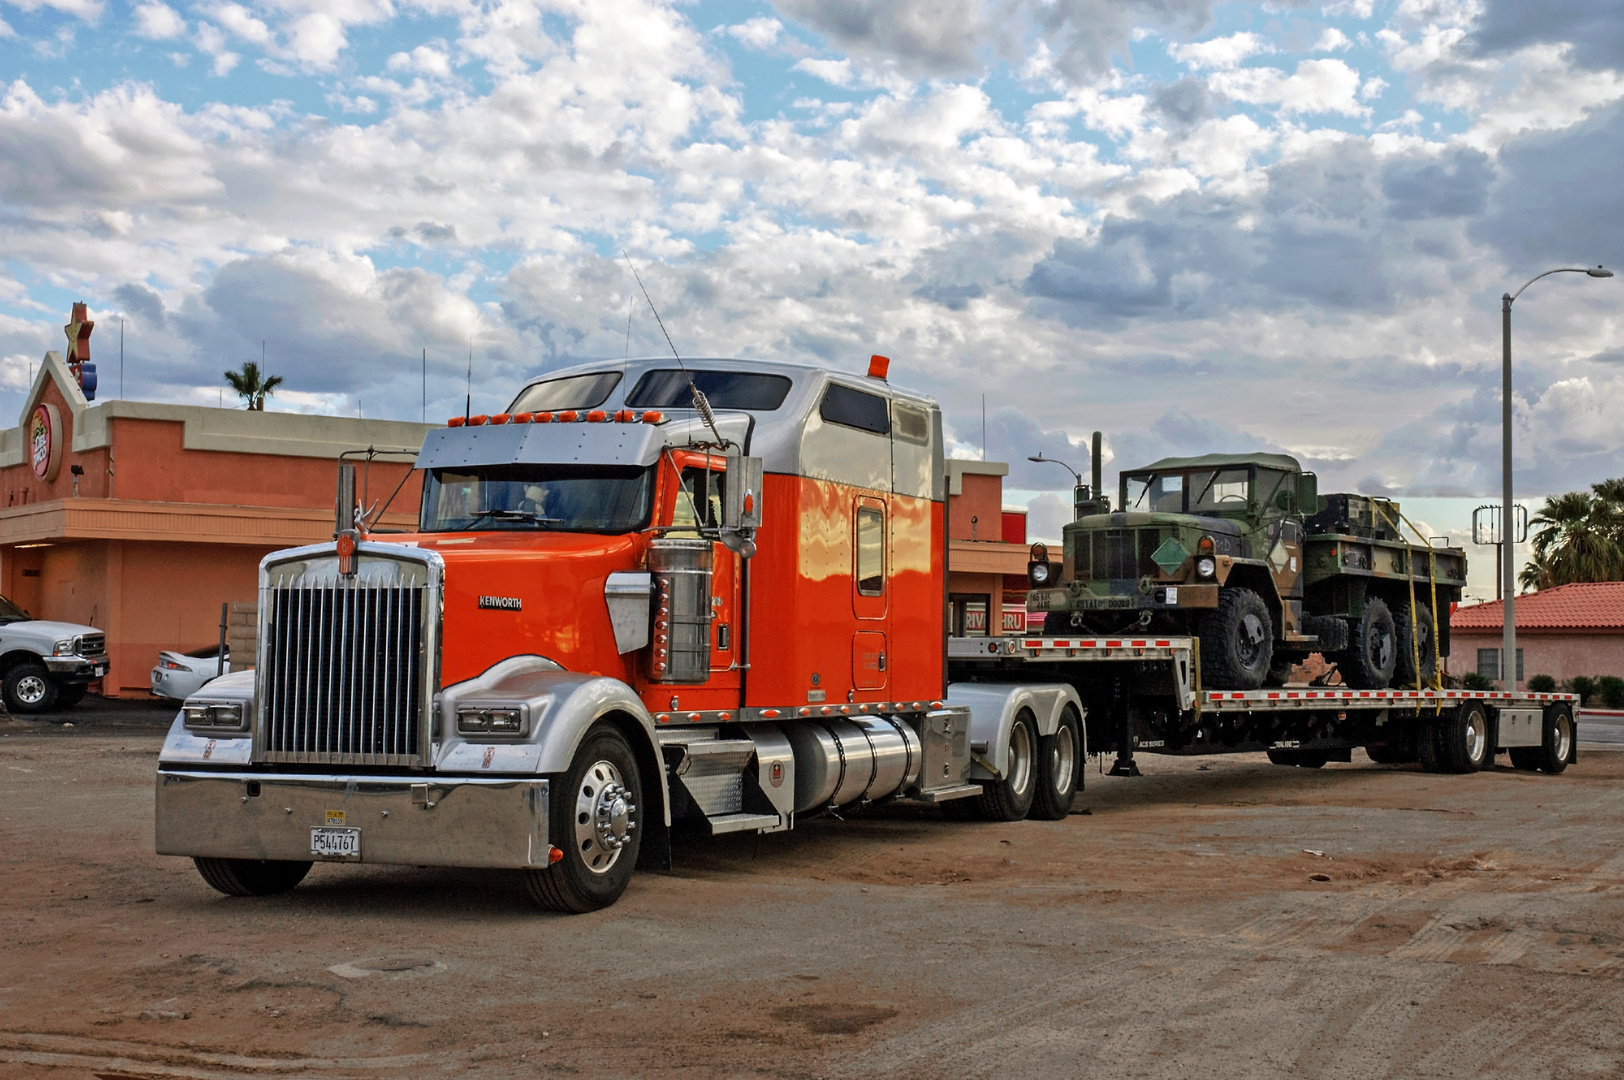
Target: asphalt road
(1216,918)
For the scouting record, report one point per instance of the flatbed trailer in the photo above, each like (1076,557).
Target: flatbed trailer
(1144,694)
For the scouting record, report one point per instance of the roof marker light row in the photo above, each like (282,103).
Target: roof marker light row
(568,416)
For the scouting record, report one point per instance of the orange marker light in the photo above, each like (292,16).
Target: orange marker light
(596,416)
(501,418)
(475,421)
(544,418)
(878,366)
(455,421)
(522,417)
(625,416)
(749,503)
(567,416)
(652,417)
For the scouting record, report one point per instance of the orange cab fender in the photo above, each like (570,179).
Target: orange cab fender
(556,708)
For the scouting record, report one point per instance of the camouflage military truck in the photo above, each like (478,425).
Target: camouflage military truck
(1242,552)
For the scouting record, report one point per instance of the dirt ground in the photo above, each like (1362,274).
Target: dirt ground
(1216,917)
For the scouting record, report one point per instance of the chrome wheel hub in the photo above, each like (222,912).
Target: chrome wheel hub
(1063,759)
(31,689)
(1020,759)
(1477,737)
(603,817)
(1564,738)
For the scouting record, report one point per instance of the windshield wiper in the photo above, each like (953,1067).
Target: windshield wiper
(516,515)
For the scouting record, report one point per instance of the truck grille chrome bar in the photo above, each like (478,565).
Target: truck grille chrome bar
(342,672)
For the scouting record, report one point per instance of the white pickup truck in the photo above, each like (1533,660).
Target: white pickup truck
(46,665)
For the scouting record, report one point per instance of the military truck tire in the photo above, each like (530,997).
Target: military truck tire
(251,877)
(1009,798)
(1372,649)
(1404,669)
(1463,739)
(1060,769)
(597,817)
(29,688)
(1237,641)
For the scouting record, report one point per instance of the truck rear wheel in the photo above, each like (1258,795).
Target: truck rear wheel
(1010,797)
(1463,740)
(1552,755)
(1237,641)
(28,688)
(597,817)
(1372,649)
(1405,673)
(1060,769)
(251,877)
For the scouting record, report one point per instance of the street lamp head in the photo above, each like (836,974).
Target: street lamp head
(1599,272)
(1036,457)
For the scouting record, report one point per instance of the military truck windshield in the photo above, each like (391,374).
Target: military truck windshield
(1222,489)
(1156,494)
(560,498)
(10,612)
(1205,491)
(575,392)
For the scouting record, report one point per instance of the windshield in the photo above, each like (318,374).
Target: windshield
(1205,491)
(575,392)
(560,498)
(10,612)
(668,388)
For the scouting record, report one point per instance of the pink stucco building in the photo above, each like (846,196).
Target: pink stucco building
(1562,632)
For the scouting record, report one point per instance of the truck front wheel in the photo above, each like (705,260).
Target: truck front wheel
(1237,641)
(28,688)
(1372,649)
(251,877)
(597,819)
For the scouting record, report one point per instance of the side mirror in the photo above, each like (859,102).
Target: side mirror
(741,505)
(1308,493)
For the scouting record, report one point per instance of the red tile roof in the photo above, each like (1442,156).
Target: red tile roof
(1584,606)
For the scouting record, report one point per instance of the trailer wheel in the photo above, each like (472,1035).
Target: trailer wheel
(1060,769)
(1405,675)
(1372,649)
(251,877)
(1237,641)
(1009,798)
(1553,754)
(1463,740)
(597,814)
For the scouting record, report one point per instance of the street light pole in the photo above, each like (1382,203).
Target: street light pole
(1508,530)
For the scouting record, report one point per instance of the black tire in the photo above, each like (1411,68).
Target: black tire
(69,696)
(1404,670)
(1553,754)
(1237,641)
(28,688)
(1282,757)
(1372,649)
(251,877)
(1060,769)
(597,818)
(1427,745)
(1463,739)
(1009,798)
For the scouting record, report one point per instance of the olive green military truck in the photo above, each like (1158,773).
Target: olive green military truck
(1240,551)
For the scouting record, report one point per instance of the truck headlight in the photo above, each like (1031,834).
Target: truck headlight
(213,715)
(491,720)
(1040,574)
(63,648)
(1205,566)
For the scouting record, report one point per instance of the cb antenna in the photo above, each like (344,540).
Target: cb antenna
(701,404)
(468,401)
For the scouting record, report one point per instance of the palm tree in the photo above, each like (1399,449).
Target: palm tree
(1579,537)
(251,386)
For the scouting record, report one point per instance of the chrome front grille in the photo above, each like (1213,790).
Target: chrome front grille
(345,665)
(92,644)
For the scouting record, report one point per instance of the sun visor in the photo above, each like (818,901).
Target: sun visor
(543,444)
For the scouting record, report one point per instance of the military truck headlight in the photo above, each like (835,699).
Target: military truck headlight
(1206,566)
(491,720)
(1040,574)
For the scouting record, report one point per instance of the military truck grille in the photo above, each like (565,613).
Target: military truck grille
(342,678)
(1118,554)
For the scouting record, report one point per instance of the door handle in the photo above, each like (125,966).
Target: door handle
(882,661)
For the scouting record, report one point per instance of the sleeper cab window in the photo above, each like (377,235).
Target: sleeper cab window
(870,551)
(854,408)
(910,424)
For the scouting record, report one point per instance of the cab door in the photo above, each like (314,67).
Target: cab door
(870,592)
(699,507)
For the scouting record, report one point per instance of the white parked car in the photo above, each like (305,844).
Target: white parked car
(179,675)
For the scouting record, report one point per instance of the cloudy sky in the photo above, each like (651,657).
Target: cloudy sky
(1195,225)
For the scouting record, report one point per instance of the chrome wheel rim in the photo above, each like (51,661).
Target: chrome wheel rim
(1020,759)
(1477,737)
(31,689)
(1063,760)
(603,817)
(1564,738)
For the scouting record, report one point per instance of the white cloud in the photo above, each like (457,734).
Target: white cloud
(1358,9)
(760,33)
(5,30)
(425,59)
(1332,40)
(158,22)
(88,10)
(1224,52)
(1317,86)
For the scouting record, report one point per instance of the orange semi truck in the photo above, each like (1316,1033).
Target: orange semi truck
(705,596)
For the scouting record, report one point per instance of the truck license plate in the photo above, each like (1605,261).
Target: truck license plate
(331,843)
(100,669)
(1097,602)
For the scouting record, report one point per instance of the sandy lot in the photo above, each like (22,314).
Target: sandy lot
(1468,926)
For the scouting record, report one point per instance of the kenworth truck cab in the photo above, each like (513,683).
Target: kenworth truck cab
(625,609)
(1242,552)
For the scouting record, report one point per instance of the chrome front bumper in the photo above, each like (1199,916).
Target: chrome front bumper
(76,667)
(444,821)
